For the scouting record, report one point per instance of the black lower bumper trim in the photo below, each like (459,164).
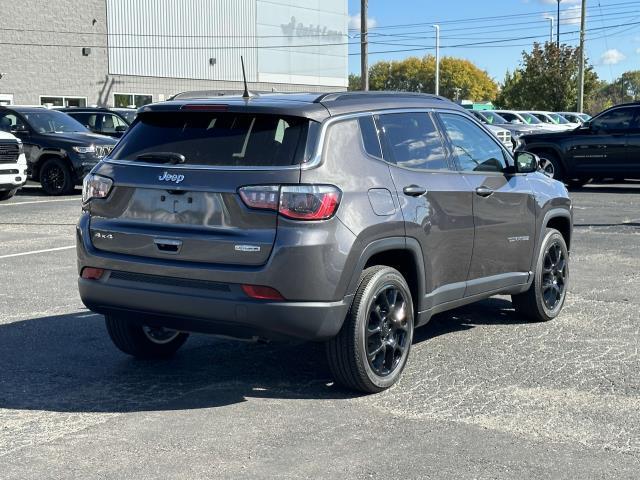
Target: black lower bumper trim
(208,314)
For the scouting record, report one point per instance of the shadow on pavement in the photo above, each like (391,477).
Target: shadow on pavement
(67,363)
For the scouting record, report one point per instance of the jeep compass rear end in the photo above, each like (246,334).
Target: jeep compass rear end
(345,218)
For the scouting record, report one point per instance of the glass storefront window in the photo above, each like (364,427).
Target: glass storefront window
(131,100)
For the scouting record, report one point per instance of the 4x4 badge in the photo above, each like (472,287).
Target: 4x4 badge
(168,177)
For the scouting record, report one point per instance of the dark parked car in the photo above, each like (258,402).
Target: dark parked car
(129,114)
(607,146)
(99,120)
(59,150)
(348,218)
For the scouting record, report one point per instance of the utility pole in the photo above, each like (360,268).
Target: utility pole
(583,19)
(437,27)
(550,29)
(364,67)
(558,26)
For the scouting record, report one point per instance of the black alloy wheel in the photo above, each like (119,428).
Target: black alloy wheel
(55,178)
(371,349)
(387,331)
(545,297)
(554,273)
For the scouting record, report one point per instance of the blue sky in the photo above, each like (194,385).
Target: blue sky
(613,31)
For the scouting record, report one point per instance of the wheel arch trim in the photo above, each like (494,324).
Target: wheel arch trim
(408,244)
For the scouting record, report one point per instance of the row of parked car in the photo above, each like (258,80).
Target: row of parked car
(510,125)
(56,147)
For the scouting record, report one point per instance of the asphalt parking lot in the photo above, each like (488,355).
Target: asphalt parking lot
(485,394)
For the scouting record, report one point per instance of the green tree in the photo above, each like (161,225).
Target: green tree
(355,82)
(458,78)
(547,80)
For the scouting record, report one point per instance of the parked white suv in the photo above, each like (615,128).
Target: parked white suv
(13,165)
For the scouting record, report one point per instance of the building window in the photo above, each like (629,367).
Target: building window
(63,101)
(131,100)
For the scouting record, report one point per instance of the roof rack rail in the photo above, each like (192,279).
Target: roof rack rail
(336,96)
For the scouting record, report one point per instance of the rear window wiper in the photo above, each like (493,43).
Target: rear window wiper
(161,157)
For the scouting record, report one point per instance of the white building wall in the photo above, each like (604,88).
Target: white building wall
(299,42)
(177,38)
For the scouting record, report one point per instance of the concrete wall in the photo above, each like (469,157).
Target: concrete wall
(33,65)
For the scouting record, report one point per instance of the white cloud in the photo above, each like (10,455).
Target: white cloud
(571,16)
(638,51)
(354,22)
(612,57)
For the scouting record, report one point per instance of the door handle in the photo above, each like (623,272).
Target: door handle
(484,191)
(414,190)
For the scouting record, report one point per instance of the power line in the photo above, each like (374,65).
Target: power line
(492,18)
(501,41)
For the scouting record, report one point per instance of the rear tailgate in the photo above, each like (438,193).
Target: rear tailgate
(192,212)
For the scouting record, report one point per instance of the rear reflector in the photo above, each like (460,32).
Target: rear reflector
(90,273)
(259,292)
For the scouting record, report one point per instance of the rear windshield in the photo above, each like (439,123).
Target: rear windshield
(217,139)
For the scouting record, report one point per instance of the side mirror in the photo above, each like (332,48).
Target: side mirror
(20,128)
(121,128)
(526,162)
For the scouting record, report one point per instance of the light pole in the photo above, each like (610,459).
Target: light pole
(437,27)
(558,26)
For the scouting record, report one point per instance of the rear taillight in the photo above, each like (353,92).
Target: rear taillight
(264,197)
(298,202)
(90,273)
(259,292)
(95,186)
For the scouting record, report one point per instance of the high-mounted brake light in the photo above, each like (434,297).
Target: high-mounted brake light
(205,108)
(297,202)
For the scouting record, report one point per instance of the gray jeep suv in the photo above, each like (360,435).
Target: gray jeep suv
(348,218)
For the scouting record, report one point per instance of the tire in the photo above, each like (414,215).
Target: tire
(551,166)
(7,194)
(535,304)
(578,182)
(56,178)
(138,340)
(352,355)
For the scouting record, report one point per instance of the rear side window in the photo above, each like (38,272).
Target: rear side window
(620,119)
(217,139)
(411,140)
(370,136)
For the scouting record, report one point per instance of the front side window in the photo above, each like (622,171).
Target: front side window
(87,119)
(217,139)
(620,120)
(475,149)
(411,140)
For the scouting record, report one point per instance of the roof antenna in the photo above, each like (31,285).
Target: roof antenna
(246,93)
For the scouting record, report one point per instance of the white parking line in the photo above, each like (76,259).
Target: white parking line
(40,201)
(37,251)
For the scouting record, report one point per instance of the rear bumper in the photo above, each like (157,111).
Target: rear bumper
(215,312)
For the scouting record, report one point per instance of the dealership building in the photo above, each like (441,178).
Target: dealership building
(133,52)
